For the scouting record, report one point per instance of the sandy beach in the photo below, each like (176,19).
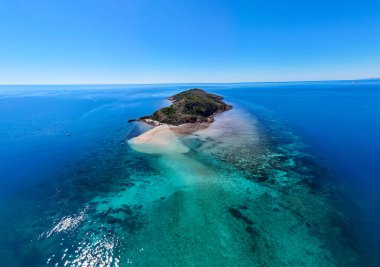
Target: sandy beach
(162,139)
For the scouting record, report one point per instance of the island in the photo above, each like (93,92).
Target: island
(191,106)
(190,111)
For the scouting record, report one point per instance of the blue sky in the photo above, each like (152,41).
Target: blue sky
(142,41)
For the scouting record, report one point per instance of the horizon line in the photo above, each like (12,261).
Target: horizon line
(168,83)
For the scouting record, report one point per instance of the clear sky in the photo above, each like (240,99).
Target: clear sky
(154,41)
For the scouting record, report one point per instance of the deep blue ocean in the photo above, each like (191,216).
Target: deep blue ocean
(64,158)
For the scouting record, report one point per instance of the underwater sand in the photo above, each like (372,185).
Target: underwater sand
(213,215)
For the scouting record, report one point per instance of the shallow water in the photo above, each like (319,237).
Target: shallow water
(262,186)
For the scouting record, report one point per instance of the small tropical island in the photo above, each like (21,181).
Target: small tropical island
(191,110)
(191,106)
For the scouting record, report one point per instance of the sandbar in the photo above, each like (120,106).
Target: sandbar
(163,139)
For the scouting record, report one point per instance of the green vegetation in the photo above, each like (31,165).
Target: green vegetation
(194,105)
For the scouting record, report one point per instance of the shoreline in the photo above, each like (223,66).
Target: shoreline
(190,106)
(164,138)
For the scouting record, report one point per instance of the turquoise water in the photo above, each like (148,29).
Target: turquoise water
(289,177)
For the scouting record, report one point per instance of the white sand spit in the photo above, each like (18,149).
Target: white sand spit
(159,140)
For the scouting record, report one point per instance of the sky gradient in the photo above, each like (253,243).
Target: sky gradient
(141,41)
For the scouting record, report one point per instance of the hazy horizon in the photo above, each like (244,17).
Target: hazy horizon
(195,83)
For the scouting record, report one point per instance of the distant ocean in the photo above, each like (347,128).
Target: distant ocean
(289,177)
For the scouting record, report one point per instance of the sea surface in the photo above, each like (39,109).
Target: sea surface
(289,177)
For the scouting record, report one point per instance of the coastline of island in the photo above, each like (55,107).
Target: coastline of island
(191,111)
